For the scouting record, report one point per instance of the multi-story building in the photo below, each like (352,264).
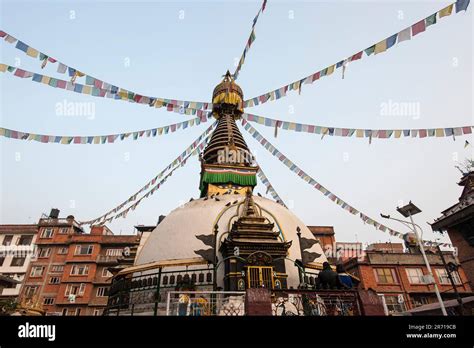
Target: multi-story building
(16,252)
(70,275)
(458,221)
(401,277)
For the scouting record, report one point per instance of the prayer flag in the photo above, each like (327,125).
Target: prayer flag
(404,35)
(446,11)
(418,27)
(462,5)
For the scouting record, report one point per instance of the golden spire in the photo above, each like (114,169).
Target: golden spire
(227,98)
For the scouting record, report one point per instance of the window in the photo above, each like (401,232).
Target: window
(48,300)
(7,240)
(84,249)
(54,280)
(47,233)
(419,301)
(57,269)
(78,311)
(2,259)
(37,271)
(106,273)
(385,276)
(30,291)
(63,230)
(392,304)
(415,275)
(80,270)
(62,251)
(25,240)
(75,289)
(444,278)
(113,252)
(102,292)
(17,261)
(44,252)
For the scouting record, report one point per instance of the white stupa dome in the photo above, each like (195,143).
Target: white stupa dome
(175,237)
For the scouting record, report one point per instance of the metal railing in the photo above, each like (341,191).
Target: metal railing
(315,303)
(146,294)
(205,303)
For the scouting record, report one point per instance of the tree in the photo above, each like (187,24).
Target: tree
(466,167)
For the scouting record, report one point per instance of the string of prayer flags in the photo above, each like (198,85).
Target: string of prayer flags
(315,184)
(178,160)
(114,91)
(376,48)
(98,139)
(178,106)
(269,186)
(250,40)
(123,214)
(359,133)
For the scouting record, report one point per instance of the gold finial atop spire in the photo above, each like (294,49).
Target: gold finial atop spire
(227,97)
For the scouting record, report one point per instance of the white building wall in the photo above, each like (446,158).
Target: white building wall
(9,252)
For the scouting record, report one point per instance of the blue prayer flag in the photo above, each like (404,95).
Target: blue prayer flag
(462,5)
(391,40)
(21,46)
(37,77)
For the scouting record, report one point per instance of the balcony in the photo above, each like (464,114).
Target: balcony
(10,292)
(105,259)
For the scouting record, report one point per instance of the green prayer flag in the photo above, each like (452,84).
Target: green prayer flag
(430,20)
(370,50)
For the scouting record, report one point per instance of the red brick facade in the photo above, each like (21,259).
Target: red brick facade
(388,274)
(70,275)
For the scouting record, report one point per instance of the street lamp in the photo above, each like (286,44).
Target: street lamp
(408,211)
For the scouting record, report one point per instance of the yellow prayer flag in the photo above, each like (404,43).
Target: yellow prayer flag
(86,90)
(3,67)
(359,133)
(31,137)
(330,70)
(2,131)
(292,126)
(160,131)
(381,47)
(398,133)
(45,79)
(64,140)
(78,73)
(96,140)
(446,11)
(32,52)
(439,132)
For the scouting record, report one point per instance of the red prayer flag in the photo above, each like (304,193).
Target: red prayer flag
(61,84)
(169,107)
(356,56)
(418,27)
(316,76)
(77,140)
(423,133)
(2,33)
(311,129)
(466,130)
(20,73)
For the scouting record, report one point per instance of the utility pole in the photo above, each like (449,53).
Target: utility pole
(448,271)
(407,211)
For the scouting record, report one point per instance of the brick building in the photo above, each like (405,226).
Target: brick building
(399,276)
(70,275)
(458,221)
(336,252)
(16,251)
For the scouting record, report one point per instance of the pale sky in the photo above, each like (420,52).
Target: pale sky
(179,50)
